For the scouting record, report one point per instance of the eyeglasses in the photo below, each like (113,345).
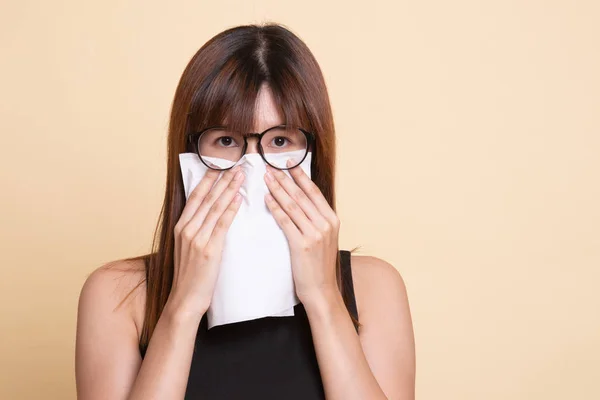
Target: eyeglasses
(220,148)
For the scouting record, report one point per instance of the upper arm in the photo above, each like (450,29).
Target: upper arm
(386,334)
(107,355)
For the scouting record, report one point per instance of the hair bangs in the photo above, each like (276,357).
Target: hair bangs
(229,98)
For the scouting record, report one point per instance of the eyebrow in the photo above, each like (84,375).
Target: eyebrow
(269,127)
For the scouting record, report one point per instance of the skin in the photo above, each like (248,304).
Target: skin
(378,363)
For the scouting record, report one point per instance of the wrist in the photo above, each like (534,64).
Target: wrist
(180,314)
(323,302)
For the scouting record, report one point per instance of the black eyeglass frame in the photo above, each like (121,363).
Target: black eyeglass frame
(194,137)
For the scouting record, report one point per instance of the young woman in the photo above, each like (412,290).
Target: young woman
(141,328)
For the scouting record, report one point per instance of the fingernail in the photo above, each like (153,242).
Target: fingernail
(289,162)
(237,198)
(269,177)
(239,175)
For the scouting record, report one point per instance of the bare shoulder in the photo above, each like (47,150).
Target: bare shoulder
(107,352)
(117,288)
(376,283)
(386,332)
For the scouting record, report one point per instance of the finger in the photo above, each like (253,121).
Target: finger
(219,207)
(227,182)
(217,238)
(298,195)
(191,205)
(283,220)
(198,194)
(314,193)
(222,184)
(288,204)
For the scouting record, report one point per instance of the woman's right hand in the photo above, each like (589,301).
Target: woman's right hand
(199,237)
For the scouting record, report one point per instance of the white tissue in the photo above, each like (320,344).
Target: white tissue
(255,277)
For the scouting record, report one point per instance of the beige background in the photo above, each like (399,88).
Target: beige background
(469,142)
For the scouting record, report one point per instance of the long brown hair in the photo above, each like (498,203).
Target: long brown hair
(220,85)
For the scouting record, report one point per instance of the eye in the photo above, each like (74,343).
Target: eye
(279,141)
(226,141)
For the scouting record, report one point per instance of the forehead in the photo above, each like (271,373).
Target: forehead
(267,113)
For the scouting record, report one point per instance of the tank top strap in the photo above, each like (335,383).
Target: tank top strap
(348,284)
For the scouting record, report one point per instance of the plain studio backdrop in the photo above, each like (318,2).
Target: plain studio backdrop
(469,158)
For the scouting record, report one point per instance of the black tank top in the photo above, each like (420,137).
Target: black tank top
(265,358)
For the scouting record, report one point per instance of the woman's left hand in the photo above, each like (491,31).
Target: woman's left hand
(311,227)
